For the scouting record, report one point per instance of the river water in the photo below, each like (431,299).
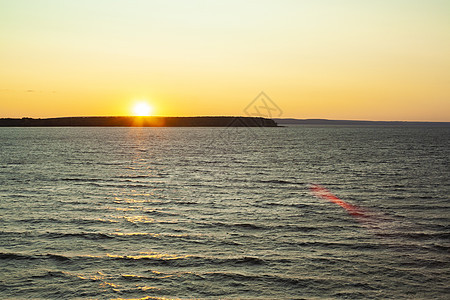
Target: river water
(224,213)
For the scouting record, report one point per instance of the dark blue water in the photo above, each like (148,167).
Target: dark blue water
(107,213)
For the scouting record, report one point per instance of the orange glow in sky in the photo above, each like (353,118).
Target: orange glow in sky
(335,59)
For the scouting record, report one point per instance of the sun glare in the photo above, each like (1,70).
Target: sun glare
(142,109)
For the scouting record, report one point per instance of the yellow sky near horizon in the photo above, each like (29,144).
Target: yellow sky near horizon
(335,59)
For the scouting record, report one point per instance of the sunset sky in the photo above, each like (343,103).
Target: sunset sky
(335,59)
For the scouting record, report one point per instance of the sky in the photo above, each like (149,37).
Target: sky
(334,59)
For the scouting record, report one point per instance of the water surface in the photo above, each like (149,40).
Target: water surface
(224,213)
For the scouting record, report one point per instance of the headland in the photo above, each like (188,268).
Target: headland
(139,122)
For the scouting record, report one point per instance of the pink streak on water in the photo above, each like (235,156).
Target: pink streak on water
(323,193)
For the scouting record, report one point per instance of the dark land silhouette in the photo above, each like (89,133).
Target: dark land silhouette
(292,121)
(139,122)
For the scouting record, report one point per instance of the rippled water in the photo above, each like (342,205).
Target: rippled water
(224,213)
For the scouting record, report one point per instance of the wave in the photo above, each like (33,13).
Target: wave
(253,226)
(136,176)
(130,185)
(161,213)
(249,226)
(284,280)
(66,221)
(420,236)
(77,179)
(154,258)
(19,256)
(85,235)
(14,256)
(278,181)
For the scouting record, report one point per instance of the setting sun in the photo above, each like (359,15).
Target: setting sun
(142,109)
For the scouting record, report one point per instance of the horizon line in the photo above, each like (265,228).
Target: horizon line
(228,116)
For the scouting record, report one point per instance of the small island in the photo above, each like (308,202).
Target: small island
(139,122)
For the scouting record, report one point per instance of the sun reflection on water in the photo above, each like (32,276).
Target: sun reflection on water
(149,255)
(138,219)
(136,234)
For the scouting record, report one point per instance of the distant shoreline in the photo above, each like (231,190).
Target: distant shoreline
(222,121)
(139,122)
(292,121)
